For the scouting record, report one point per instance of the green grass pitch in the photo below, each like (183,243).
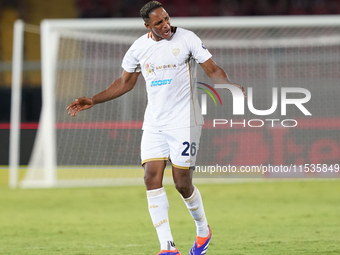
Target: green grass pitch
(279,217)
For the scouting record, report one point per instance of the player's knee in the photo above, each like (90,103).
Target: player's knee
(184,188)
(152,179)
(149,179)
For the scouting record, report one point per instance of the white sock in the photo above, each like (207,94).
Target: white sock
(196,209)
(158,209)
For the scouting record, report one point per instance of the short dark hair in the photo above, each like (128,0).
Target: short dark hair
(148,8)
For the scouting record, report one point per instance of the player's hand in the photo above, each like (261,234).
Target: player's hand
(241,88)
(78,105)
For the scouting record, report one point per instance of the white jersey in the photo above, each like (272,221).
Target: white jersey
(169,68)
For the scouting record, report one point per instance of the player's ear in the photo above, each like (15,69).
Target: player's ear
(147,25)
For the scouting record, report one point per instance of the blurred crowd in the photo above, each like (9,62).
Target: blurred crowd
(182,8)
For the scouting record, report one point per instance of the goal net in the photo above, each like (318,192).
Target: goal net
(101,146)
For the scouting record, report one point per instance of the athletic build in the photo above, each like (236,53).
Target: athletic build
(167,58)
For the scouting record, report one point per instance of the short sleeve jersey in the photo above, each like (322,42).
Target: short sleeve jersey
(169,69)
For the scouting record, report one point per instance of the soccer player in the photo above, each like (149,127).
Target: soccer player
(167,58)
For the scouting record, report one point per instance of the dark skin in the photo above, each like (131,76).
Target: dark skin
(159,26)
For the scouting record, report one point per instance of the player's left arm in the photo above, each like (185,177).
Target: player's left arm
(217,74)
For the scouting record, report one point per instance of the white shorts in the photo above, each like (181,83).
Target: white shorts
(180,146)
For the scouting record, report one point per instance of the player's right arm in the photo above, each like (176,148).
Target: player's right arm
(119,87)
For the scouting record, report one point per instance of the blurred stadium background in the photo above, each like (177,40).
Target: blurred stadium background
(33,11)
(293,217)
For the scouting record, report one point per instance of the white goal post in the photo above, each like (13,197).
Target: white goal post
(17,65)
(80,57)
